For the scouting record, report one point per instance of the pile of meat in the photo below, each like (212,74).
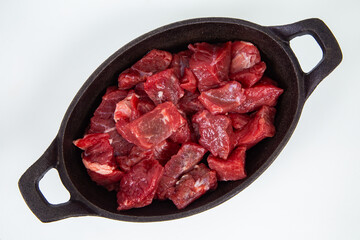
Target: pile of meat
(178,123)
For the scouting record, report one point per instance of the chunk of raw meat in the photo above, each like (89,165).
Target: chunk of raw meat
(153,62)
(138,186)
(145,106)
(188,81)
(216,133)
(136,155)
(182,135)
(259,127)
(190,103)
(99,125)
(164,150)
(153,127)
(249,76)
(129,78)
(239,120)
(98,159)
(223,99)
(262,93)
(164,86)
(165,188)
(126,109)
(193,185)
(231,169)
(243,55)
(210,64)
(108,103)
(180,61)
(187,157)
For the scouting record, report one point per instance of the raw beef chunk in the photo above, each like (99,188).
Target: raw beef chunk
(239,120)
(216,133)
(153,62)
(164,86)
(129,78)
(145,106)
(259,127)
(165,150)
(126,109)
(138,186)
(193,185)
(182,135)
(188,156)
(98,159)
(248,77)
(243,55)
(188,81)
(108,103)
(99,125)
(210,64)
(190,103)
(230,169)
(153,127)
(262,93)
(180,61)
(136,155)
(223,99)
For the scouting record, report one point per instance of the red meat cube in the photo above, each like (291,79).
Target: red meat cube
(262,93)
(99,125)
(164,86)
(223,99)
(210,64)
(136,155)
(126,109)
(248,77)
(98,159)
(243,55)
(231,169)
(129,78)
(180,61)
(138,186)
(145,106)
(190,103)
(108,103)
(153,62)
(216,133)
(193,185)
(188,156)
(239,120)
(166,187)
(164,151)
(188,81)
(182,135)
(153,127)
(260,126)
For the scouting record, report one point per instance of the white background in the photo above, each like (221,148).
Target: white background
(49,48)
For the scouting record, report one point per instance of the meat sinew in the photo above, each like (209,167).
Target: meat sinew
(177,123)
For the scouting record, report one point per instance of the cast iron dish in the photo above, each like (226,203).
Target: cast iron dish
(273,42)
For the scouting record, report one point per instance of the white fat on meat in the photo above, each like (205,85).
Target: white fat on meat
(102,169)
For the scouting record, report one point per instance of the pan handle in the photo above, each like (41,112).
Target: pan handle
(332,55)
(29,188)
